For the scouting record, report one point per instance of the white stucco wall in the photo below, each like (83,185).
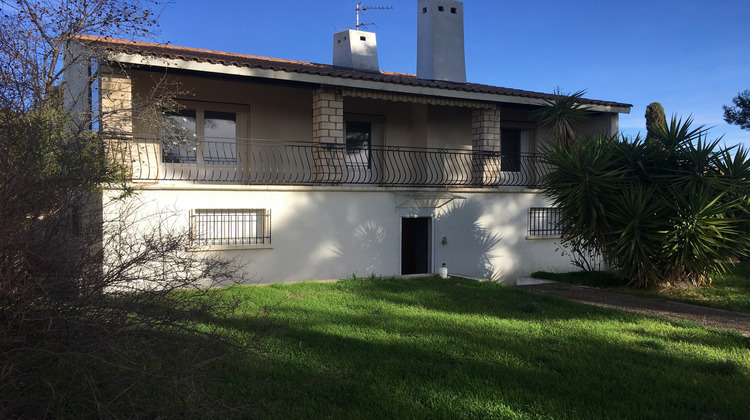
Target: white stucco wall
(330,233)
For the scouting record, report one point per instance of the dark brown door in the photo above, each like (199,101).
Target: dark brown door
(415,245)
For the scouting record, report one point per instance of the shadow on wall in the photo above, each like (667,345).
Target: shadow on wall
(470,247)
(364,245)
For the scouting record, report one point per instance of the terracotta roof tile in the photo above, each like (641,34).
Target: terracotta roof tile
(277,64)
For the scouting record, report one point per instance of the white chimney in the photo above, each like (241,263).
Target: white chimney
(356,50)
(440,41)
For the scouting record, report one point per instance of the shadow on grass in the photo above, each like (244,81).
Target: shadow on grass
(433,348)
(584,278)
(730,291)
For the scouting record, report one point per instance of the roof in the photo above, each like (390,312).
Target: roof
(163,51)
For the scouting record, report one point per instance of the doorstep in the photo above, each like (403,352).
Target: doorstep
(528,280)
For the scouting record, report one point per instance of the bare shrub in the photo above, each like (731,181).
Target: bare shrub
(100,319)
(97,318)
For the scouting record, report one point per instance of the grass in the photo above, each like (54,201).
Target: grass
(729,291)
(432,348)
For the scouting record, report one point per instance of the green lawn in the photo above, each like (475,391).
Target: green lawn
(729,291)
(432,348)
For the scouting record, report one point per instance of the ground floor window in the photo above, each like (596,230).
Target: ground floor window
(230,227)
(544,221)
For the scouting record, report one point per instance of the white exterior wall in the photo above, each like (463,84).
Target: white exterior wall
(330,233)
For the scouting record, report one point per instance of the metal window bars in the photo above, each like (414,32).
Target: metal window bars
(210,227)
(544,221)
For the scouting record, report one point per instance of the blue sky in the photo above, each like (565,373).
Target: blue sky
(692,56)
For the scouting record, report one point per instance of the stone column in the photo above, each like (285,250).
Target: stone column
(140,156)
(116,100)
(328,134)
(485,145)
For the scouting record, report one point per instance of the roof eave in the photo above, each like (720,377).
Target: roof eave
(138,59)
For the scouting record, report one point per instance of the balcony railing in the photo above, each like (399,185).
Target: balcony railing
(307,163)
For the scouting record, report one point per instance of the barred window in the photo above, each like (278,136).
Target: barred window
(544,221)
(230,227)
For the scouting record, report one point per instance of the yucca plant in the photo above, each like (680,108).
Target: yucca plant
(672,211)
(563,113)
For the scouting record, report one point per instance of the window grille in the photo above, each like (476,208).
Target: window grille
(230,227)
(544,221)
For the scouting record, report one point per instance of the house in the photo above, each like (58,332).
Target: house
(314,171)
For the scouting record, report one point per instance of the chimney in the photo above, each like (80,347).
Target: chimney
(355,50)
(440,41)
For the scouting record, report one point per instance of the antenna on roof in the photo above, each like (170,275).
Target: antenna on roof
(361,8)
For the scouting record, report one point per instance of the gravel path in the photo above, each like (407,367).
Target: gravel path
(715,318)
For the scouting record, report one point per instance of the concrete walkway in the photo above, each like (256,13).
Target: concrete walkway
(710,317)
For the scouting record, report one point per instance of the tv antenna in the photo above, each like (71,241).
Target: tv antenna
(361,8)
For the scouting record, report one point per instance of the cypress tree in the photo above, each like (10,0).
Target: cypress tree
(654,118)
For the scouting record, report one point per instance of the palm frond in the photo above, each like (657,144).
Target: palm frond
(563,114)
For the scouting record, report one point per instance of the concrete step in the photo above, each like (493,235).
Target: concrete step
(527,280)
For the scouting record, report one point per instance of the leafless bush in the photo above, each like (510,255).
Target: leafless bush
(584,257)
(101,315)
(98,318)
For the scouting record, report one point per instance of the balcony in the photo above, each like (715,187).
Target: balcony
(262,162)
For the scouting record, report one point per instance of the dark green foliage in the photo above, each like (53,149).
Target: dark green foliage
(655,117)
(739,114)
(670,211)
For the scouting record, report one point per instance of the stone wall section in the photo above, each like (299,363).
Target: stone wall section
(328,134)
(485,143)
(116,100)
(140,156)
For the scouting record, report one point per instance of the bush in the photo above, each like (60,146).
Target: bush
(663,212)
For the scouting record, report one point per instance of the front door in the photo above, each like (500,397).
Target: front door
(415,245)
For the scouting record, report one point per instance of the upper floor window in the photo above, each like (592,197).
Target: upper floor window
(510,150)
(358,143)
(220,138)
(179,139)
(201,133)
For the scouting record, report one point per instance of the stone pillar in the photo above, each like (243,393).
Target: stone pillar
(485,145)
(140,156)
(116,100)
(328,135)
